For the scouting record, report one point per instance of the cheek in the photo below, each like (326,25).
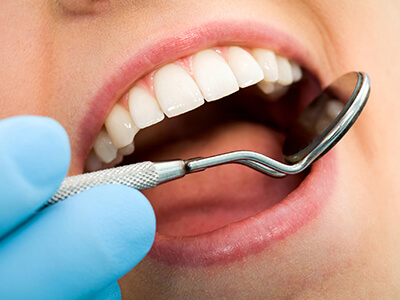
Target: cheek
(83,7)
(24,58)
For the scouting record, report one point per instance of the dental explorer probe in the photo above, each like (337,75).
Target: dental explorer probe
(320,127)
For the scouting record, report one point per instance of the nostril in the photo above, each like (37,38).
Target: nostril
(84,7)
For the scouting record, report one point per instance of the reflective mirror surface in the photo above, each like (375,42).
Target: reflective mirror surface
(321,117)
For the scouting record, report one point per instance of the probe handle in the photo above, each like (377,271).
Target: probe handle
(140,176)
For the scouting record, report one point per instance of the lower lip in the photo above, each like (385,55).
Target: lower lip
(254,234)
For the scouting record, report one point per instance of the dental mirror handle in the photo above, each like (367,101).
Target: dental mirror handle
(140,176)
(147,174)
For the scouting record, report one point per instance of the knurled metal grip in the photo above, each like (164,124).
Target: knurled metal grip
(139,176)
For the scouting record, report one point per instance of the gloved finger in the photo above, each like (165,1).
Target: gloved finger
(79,246)
(112,292)
(34,159)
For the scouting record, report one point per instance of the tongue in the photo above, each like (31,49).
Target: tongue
(208,200)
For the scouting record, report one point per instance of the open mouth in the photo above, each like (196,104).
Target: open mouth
(180,87)
(260,95)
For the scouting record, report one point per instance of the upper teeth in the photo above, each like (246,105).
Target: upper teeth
(176,91)
(182,86)
(213,75)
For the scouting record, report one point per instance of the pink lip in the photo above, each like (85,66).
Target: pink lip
(171,48)
(254,234)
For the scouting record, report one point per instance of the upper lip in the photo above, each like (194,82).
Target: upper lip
(171,48)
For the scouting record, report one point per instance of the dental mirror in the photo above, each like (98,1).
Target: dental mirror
(319,127)
(325,115)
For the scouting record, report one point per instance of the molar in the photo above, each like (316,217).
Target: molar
(120,126)
(244,66)
(213,75)
(176,91)
(144,108)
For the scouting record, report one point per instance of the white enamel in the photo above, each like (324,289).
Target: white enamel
(274,90)
(176,91)
(93,162)
(120,126)
(104,148)
(296,72)
(267,61)
(284,71)
(127,150)
(246,69)
(144,108)
(213,75)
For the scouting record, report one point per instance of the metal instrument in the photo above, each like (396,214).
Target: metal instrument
(320,127)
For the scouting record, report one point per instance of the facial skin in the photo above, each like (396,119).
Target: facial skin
(55,55)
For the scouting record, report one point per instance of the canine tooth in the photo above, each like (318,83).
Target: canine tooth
(127,150)
(93,162)
(213,75)
(273,90)
(246,69)
(284,71)
(267,61)
(176,91)
(120,126)
(144,108)
(104,148)
(296,71)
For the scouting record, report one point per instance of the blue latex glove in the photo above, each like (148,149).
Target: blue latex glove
(72,249)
